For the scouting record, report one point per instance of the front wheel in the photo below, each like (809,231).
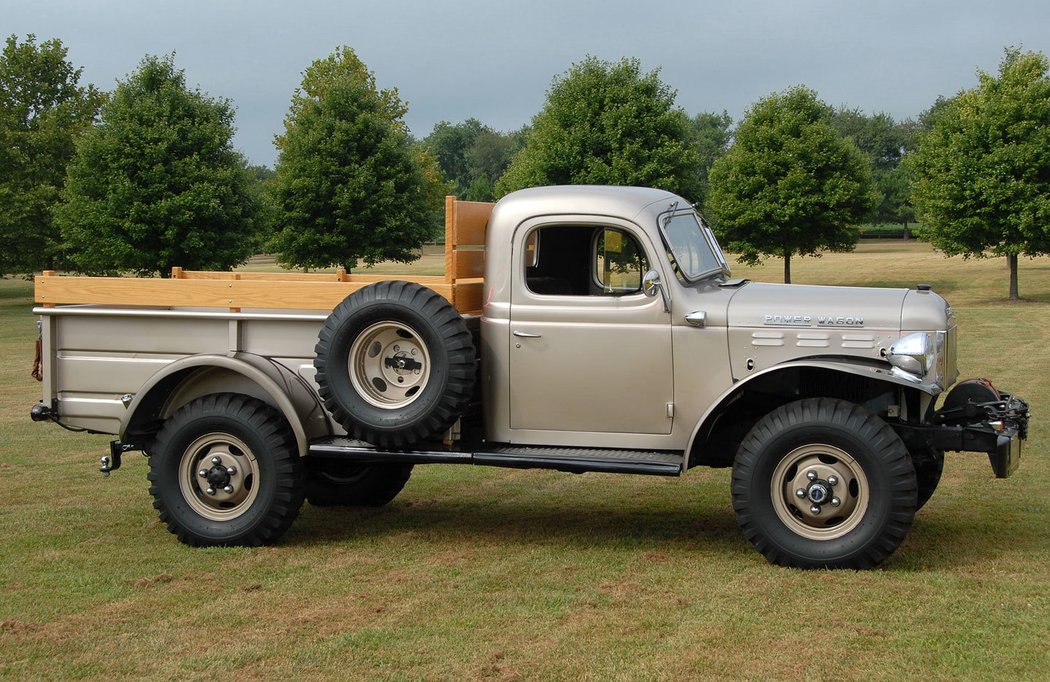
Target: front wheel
(824,483)
(225,471)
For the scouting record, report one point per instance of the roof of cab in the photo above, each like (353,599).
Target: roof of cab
(621,202)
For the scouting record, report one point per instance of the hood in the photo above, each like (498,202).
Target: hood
(758,304)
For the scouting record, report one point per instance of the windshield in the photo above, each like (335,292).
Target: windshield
(693,248)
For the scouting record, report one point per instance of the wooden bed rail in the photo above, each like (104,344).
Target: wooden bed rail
(462,284)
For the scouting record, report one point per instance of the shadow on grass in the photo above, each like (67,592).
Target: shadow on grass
(940,539)
(586,525)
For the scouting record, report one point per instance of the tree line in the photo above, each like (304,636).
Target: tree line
(146,177)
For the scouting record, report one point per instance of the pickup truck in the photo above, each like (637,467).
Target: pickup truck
(582,329)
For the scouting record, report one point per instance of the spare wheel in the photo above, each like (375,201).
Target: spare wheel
(395,364)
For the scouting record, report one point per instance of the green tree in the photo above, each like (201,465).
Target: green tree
(711,135)
(350,182)
(268,217)
(43,109)
(883,141)
(608,123)
(449,144)
(472,156)
(157,182)
(982,172)
(790,184)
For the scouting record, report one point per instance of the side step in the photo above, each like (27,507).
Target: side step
(573,460)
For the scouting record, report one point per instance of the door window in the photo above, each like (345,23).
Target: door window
(582,260)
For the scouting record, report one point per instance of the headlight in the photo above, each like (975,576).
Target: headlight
(919,357)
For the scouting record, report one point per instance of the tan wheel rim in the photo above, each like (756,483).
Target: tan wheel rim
(819,492)
(219,476)
(389,365)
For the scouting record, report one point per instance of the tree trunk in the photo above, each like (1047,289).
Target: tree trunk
(1012,260)
(787,266)
(907,232)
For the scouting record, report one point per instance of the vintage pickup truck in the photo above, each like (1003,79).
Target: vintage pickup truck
(583,329)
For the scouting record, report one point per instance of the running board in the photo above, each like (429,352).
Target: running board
(573,460)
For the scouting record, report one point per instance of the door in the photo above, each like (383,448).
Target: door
(590,351)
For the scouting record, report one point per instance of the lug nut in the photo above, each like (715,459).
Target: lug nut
(231,470)
(228,489)
(811,475)
(833,480)
(815,509)
(835,502)
(210,491)
(203,473)
(216,460)
(800,493)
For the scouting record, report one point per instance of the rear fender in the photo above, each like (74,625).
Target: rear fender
(189,378)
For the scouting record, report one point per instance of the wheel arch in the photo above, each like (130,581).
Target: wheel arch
(193,377)
(714,439)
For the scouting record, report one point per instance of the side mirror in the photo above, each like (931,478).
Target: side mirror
(651,285)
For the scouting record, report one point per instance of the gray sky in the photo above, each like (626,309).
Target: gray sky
(494,60)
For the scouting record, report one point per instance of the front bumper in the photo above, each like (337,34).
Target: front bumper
(997,427)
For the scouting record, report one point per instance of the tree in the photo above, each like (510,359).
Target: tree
(982,172)
(607,123)
(790,184)
(472,156)
(157,182)
(267,218)
(43,109)
(711,136)
(350,183)
(449,144)
(884,142)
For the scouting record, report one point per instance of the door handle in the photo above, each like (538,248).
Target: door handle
(697,319)
(527,335)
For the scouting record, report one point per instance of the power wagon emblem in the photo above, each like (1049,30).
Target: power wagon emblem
(809,320)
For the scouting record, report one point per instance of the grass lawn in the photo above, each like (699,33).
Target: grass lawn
(505,574)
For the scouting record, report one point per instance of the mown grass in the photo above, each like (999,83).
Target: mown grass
(477,573)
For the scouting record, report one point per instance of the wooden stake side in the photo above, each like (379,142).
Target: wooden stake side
(465,224)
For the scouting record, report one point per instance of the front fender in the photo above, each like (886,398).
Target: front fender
(868,370)
(190,377)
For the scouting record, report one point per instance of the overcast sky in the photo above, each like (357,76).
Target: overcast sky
(494,60)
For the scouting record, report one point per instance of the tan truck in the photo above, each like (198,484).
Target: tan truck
(583,329)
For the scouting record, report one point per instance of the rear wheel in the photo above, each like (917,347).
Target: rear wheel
(824,483)
(337,483)
(225,471)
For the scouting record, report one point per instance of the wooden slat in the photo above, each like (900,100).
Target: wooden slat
(468,264)
(468,295)
(289,295)
(307,277)
(264,276)
(431,281)
(450,237)
(471,217)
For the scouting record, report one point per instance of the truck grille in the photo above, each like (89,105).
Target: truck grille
(951,366)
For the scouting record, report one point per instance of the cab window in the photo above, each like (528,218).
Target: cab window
(583,260)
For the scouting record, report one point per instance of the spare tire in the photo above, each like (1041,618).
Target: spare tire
(395,364)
